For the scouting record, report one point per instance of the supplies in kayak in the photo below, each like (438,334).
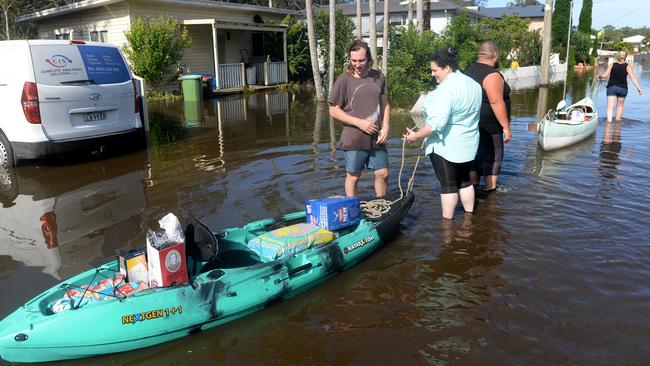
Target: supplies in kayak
(166,254)
(133,265)
(288,240)
(333,212)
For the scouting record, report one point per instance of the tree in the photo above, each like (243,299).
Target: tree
(9,7)
(373,28)
(385,32)
(344,36)
(320,96)
(332,34)
(561,26)
(584,25)
(409,17)
(297,49)
(580,47)
(359,30)
(153,46)
(420,19)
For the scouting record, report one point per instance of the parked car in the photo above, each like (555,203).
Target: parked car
(58,97)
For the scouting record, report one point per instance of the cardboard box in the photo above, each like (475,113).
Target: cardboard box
(167,266)
(334,212)
(133,265)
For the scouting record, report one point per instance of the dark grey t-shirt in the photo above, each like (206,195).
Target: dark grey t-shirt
(363,98)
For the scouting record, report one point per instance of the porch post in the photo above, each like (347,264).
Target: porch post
(215,52)
(286,64)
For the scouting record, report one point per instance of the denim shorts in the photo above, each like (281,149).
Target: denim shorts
(356,160)
(616,91)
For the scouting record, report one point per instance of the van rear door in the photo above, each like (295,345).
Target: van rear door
(84,90)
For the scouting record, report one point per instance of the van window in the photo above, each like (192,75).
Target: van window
(63,64)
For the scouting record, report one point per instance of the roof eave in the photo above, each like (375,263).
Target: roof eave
(90,4)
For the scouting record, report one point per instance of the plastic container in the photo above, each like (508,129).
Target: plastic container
(206,84)
(192,90)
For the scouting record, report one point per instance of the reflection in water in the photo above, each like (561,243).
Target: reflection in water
(610,151)
(458,281)
(65,222)
(550,162)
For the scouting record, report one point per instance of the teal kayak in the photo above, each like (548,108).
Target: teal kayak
(228,283)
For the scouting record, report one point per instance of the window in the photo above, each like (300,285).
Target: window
(62,36)
(99,36)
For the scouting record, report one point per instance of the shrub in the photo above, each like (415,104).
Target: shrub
(153,46)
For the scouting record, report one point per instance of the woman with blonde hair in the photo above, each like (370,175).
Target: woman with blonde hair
(618,72)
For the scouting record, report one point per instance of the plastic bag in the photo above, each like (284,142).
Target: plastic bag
(170,232)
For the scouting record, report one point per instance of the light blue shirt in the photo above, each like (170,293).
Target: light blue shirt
(452,111)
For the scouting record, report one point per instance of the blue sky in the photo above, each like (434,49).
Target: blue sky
(619,13)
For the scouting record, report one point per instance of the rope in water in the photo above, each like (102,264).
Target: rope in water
(374,209)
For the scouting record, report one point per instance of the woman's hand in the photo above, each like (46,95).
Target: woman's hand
(410,135)
(640,91)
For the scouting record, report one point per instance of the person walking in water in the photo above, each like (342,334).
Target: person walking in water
(618,72)
(359,99)
(494,124)
(451,114)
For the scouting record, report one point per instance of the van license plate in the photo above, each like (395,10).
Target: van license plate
(95,116)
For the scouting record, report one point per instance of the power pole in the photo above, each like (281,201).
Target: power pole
(546,45)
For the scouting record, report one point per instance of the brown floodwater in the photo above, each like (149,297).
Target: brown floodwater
(551,269)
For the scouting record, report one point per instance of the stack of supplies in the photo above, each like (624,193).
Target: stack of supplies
(106,289)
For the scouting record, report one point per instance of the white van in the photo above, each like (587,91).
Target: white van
(64,96)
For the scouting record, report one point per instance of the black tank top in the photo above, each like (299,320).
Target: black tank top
(618,75)
(488,122)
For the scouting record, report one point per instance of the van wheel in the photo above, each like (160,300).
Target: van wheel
(8,186)
(6,153)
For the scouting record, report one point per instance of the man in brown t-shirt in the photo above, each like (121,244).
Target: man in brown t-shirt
(359,99)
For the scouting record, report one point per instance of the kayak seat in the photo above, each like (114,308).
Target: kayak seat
(288,240)
(200,242)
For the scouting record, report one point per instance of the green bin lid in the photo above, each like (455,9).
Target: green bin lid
(189,77)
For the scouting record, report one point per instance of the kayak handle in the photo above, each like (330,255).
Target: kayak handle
(299,269)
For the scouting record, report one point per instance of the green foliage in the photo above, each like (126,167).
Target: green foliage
(462,35)
(584,25)
(344,36)
(409,71)
(580,47)
(298,59)
(153,46)
(509,32)
(530,51)
(560,27)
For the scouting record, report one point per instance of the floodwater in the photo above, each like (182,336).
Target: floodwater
(552,268)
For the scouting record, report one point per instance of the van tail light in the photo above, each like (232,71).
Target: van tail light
(49,228)
(135,97)
(77,41)
(29,101)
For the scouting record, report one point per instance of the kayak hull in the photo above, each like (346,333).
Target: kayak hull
(554,133)
(33,333)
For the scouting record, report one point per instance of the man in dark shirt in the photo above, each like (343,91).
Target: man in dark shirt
(494,124)
(359,99)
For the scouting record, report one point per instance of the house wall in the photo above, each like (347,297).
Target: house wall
(198,57)
(114,18)
(536,25)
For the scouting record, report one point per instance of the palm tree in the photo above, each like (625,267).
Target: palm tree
(409,18)
(311,34)
(330,71)
(384,53)
(373,28)
(419,16)
(359,19)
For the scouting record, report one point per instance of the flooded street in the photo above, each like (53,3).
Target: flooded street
(551,269)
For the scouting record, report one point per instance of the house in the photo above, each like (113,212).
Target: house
(442,12)
(226,37)
(636,42)
(534,13)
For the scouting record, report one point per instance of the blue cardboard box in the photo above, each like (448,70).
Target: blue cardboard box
(334,212)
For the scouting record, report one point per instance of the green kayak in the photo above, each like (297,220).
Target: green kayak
(226,281)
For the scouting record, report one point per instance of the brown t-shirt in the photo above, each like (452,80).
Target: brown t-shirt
(363,98)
